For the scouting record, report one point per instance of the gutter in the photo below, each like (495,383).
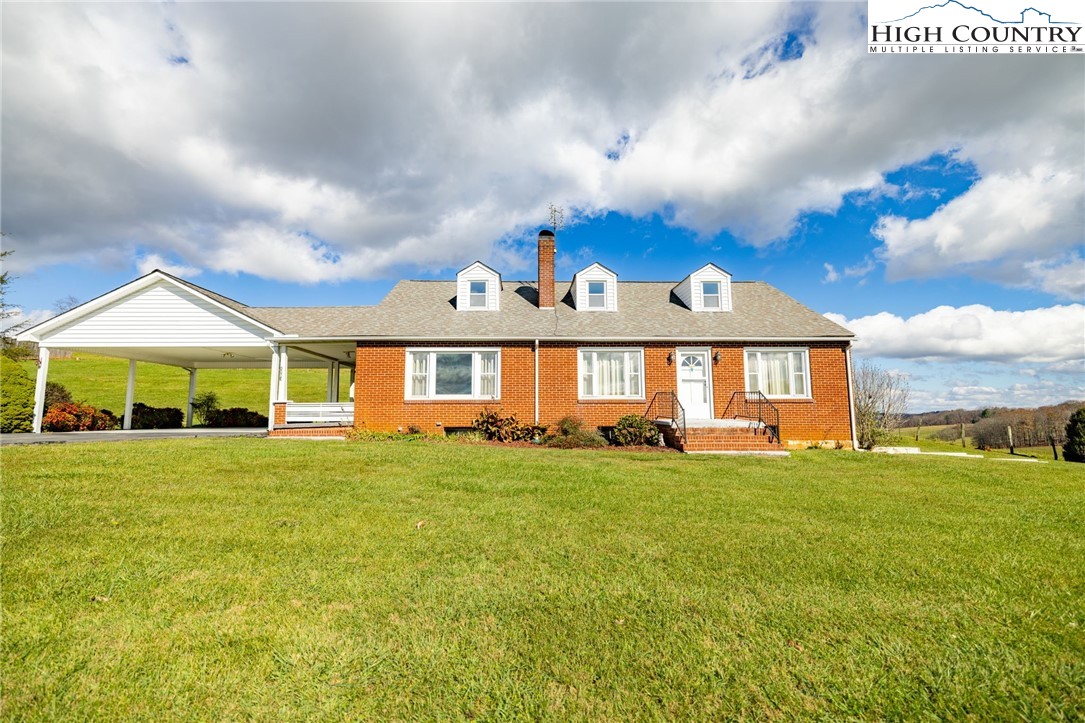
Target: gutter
(851,398)
(492,339)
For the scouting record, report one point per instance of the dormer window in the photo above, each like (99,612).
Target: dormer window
(706,289)
(477,295)
(710,294)
(595,289)
(597,294)
(478,288)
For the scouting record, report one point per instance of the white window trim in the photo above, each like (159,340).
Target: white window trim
(595,349)
(485,294)
(761,350)
(718,295)
(588,294)
(431,380)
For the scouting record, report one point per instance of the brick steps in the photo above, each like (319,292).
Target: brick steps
(722,439)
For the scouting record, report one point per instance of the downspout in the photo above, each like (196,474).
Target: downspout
(536,382)
(851,398)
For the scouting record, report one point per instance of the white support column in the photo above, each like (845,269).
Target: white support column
(329,393)
(284,369)
(191,395)
(273,392)
(39,387)
(335,381)
(130,394)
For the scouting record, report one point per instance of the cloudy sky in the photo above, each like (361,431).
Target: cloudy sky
(315,153)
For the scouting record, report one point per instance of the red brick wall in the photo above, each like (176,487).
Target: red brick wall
(379,387)
(379,380)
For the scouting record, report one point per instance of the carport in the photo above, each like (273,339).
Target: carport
(162,319)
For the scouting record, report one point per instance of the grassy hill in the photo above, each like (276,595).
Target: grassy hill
(282,579)
(100,381)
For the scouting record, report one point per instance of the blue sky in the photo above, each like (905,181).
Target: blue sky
(315,154)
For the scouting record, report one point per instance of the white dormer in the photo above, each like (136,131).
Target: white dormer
(706,289)
(595,289)
(478,288)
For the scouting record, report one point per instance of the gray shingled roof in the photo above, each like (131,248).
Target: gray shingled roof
(646,310)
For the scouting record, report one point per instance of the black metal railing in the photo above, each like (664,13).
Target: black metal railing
(665,405)
(755,406)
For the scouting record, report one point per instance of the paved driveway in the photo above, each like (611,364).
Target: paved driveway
(118,435)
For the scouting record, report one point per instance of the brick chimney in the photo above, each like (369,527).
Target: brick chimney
(546,269)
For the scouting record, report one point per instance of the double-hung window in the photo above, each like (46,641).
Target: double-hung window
(453,374)
(597,294)
(477,295)
(611,373)
(710,294)
(778,372)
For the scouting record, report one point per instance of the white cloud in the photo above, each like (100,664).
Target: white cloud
(280,130)
(975,332)
(996,230)
(150,262)
(831,274)
(20,319)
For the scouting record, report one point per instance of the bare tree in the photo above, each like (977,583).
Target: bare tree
(880,399)
(65,304)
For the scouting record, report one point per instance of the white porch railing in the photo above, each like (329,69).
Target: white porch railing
(320,413)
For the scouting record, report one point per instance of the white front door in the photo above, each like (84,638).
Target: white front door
(695,383)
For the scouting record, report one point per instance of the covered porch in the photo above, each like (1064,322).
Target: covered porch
(160,319)
(278,358)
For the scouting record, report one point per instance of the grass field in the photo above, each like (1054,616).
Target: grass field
(248,578)
(906,437)
(101,381)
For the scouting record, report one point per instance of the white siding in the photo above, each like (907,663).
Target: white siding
(159,315)
(595,272)
(690,292)
(684,292)
(478,272)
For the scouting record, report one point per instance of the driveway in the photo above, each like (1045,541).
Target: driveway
(118,435)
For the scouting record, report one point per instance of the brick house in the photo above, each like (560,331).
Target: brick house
(721,364)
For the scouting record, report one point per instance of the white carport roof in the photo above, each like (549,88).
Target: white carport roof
(165,320)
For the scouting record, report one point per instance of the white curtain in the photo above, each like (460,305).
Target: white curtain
(774,368)
(610,374)
(419,376)
(487,378)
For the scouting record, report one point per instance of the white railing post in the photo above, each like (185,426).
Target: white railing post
(130,394)
(273,392)
(284,369)
(191,396)
(39,387)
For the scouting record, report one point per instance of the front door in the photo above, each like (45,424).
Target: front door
(695,383)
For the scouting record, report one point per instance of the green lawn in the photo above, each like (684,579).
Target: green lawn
(101,381)
(296,579)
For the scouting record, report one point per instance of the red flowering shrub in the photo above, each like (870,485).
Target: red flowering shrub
(76,417)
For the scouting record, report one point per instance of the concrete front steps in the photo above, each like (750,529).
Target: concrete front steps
(721,436)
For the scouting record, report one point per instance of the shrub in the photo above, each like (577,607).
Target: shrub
(496,428)
(16,398)
(234,417)
(76,417)
(56,393)
(1073,450)
(633,429)
(204,405)
(145,417)
(569,433)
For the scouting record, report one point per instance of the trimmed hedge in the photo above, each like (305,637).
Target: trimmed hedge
(16,398)
(235,417)
(145,417)
(635,430)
